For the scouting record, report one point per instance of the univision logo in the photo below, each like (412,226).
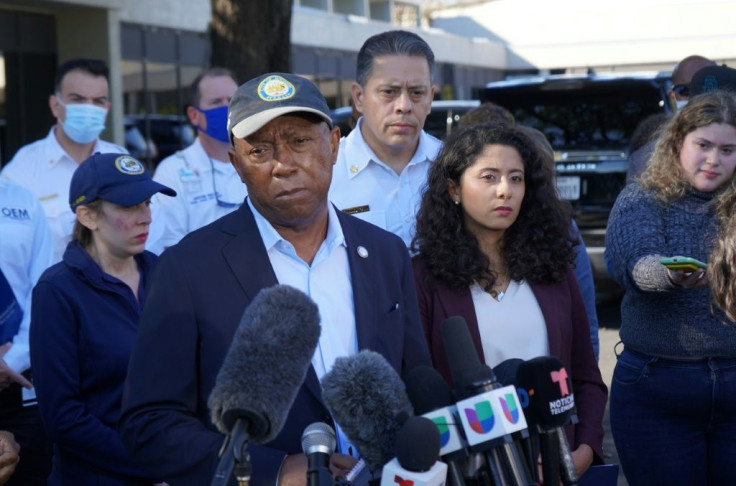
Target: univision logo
(443,429)
(510,410)
(480,417)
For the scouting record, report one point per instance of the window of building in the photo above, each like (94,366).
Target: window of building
(27,67)
(158,65)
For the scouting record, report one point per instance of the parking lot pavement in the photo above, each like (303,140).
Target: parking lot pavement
(608,339)
(610,321)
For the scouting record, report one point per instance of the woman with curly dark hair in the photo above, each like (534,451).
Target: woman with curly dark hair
(494,246)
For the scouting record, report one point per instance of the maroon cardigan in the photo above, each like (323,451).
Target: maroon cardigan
(569,340)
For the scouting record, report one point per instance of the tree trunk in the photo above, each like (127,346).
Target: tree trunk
(251,37)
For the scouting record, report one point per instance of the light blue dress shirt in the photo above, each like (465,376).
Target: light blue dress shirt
(327,282)
(26,250)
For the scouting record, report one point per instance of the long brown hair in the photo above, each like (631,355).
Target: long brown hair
(664,175)
(80,233)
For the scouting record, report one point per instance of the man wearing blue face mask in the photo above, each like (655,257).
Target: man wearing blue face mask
(80,103)
(206,183)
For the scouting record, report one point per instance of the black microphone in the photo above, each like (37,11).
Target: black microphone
(368,400)
(506,373)
(432,398)
(417,450)
(551,404)
(318,443)
(260,376)
(489,412)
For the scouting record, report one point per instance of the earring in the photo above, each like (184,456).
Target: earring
(457,202)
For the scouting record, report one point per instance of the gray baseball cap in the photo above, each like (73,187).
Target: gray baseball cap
(269,96)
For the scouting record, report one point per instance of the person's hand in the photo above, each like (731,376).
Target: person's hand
(9,457)
(582,457)
(8,376)
(341,464)
(689,280)
(293,471)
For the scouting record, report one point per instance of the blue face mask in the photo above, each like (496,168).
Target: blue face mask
(84,122)
(216,123)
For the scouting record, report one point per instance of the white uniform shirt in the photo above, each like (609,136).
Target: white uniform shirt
(189,173)
(26,250)
(45,169)
(367,188)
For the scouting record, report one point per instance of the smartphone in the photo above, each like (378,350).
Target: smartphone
(684,264)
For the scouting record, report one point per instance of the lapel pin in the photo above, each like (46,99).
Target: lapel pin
(362,252)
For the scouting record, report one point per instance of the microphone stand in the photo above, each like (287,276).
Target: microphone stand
(504,461)
(550,450)
(317,473)
(234,457)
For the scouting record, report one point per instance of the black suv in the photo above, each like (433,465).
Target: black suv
(589,120)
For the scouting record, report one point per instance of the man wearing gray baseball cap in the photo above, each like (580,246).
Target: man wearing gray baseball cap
(360,277)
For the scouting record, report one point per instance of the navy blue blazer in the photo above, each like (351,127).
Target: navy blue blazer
(195,301)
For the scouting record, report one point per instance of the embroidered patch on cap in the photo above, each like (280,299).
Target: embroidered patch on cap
(275,88)
(710,83)
(128,165)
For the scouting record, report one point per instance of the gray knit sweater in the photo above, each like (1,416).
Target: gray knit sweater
(656,317)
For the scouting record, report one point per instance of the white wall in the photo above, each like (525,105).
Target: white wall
(179,14)
(316,28)
(549,34)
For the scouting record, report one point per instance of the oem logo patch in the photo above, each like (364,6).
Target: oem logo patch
(128,165)
(275,88)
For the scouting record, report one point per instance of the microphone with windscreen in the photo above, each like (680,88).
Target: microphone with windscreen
(432,398)
(551,405)
(368,400)
(261,374)
(318,444)
(489,412)
(417,451)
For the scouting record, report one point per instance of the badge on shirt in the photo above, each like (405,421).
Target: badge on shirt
(357,209)
(191,180)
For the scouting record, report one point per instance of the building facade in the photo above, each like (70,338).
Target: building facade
(155,48)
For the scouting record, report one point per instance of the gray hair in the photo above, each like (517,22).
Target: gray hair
(391,43)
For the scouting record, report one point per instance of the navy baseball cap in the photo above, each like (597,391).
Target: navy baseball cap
(269,96)
(711,78)
(116,178)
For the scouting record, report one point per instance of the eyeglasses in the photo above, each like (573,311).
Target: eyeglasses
(220,202)
(681,90)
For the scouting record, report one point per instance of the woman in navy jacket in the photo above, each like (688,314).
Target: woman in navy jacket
(84,319)
(494,247)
